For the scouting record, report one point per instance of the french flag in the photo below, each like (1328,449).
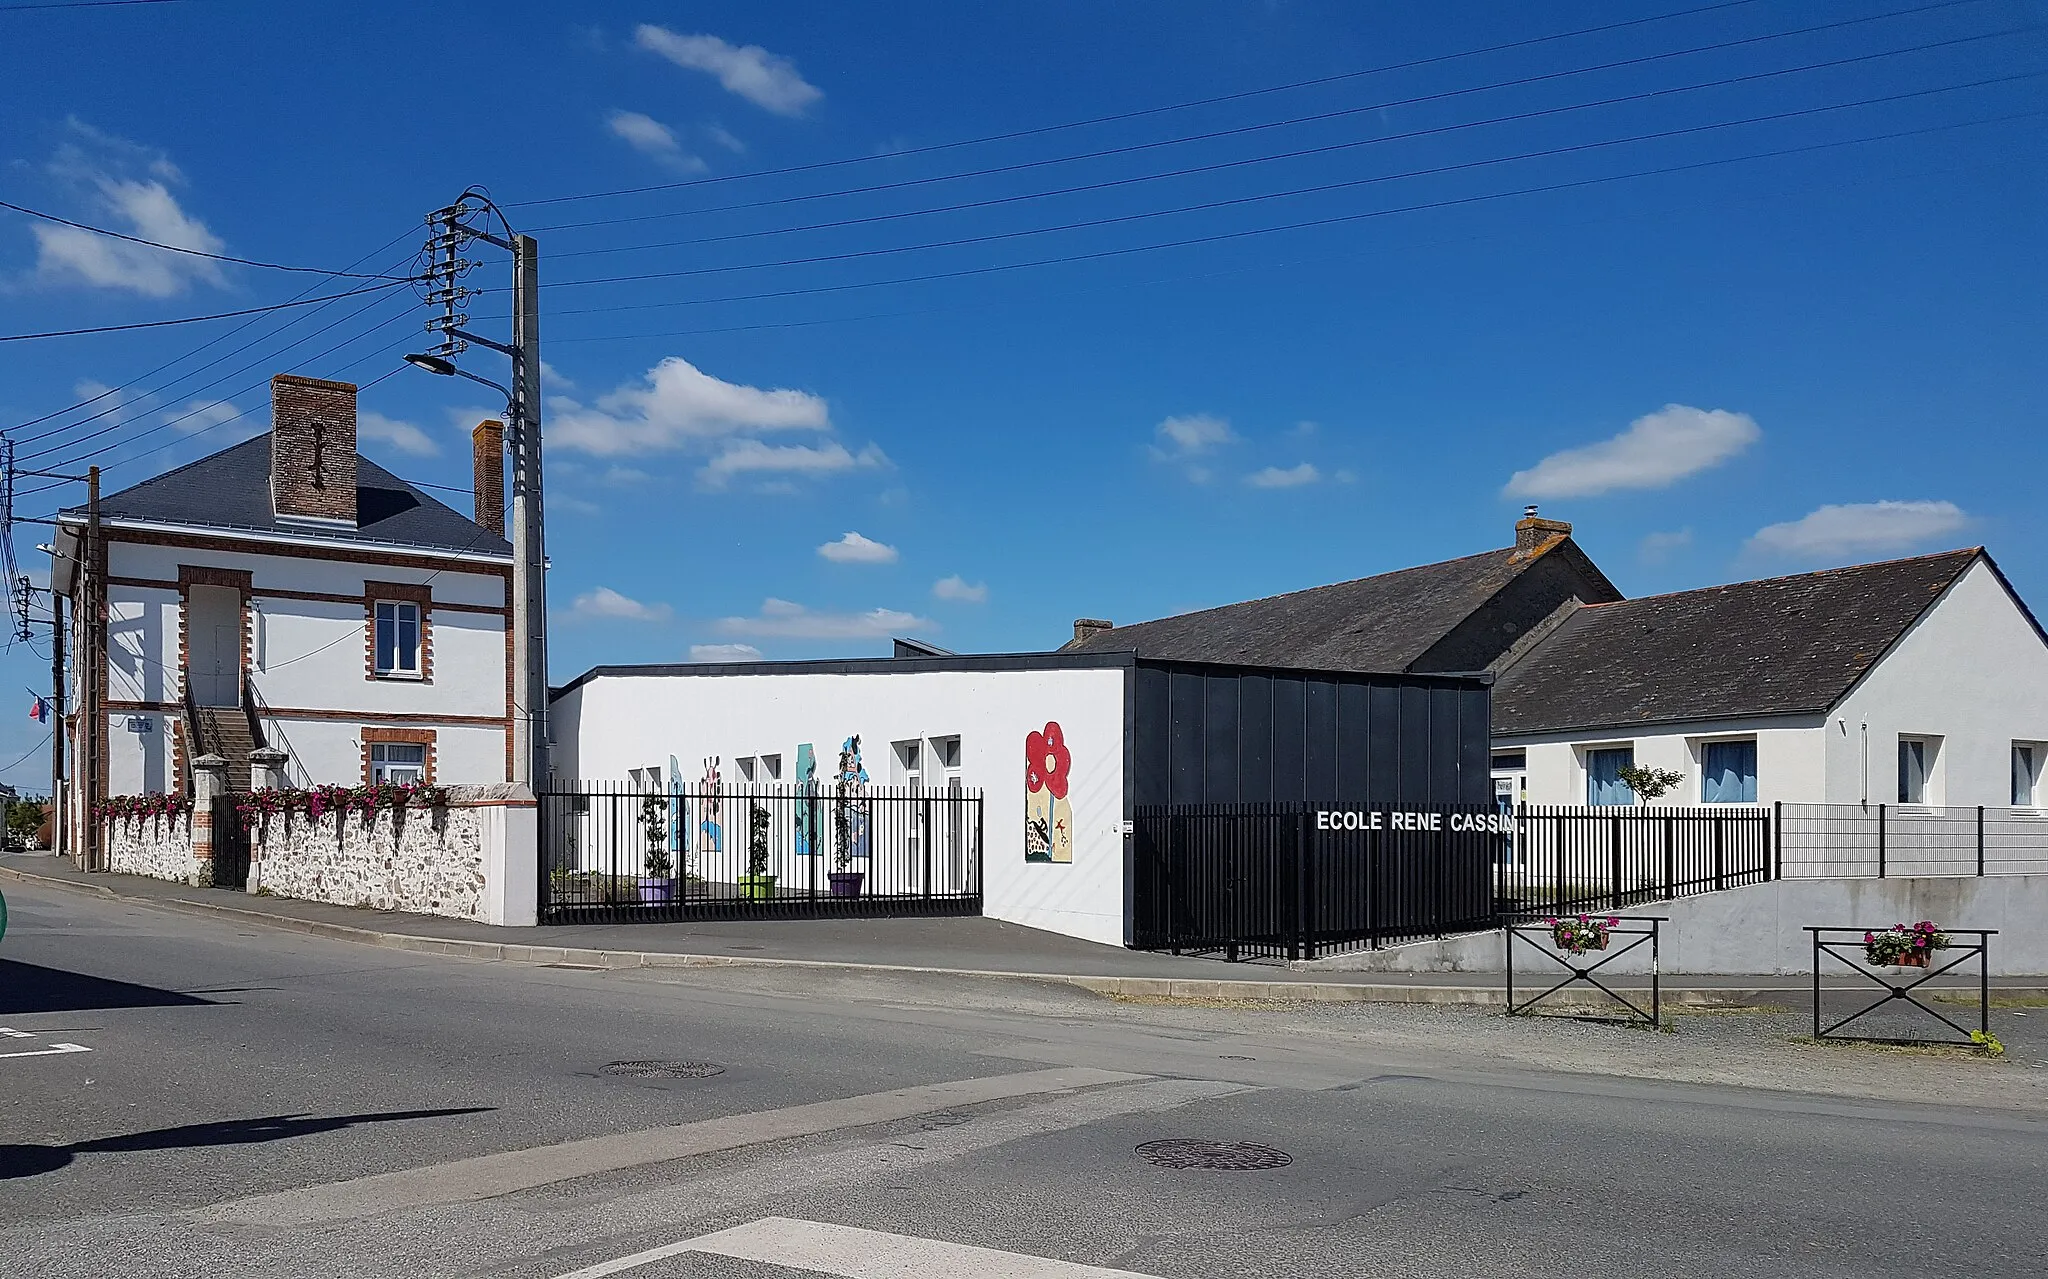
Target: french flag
(40,712)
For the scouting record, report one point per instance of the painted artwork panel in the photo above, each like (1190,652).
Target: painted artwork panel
(808,811)
(1048,817)
(709,829)
(850,809)
(678,827)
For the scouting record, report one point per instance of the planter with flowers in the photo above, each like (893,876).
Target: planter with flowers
(156,804)
(1904,945)
(316,803)
(757,884)
(1578,934)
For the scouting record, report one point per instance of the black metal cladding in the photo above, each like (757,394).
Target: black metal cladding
(1203,734)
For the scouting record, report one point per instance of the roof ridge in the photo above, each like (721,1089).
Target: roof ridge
(1326,586)
(1792,577)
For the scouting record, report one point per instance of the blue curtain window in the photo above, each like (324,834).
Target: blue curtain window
(1604,787)
(1729,775)
(398,638)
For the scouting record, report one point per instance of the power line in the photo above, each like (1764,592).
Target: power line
(1339,219)
(1142,113)
(81,4)
(197,253)
(1516,117)
(198,319)
(32,751)
(1437,170)
(1241,130)
(213,341)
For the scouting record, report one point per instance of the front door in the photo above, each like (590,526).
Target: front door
(213,640)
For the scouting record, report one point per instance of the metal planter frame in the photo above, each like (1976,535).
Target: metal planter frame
(1643,928)
(1837,943)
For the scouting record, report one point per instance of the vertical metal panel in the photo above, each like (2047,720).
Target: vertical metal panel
(1255,738)
(1354,743)
(1319,739)
(1446,733)
(1149,748)
(1475,746)
(1183,763)
(1383,764)
(1219,739)
(1413,738)
(1289,724)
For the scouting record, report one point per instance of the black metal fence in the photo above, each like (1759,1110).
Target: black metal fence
(1294,881)
(1881,841)
(230,843)
(1570,860)
(615,853)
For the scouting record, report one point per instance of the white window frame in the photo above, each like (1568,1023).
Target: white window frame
(1585,754)
(380,769)
(1930,770)
(419,639)
(1699,755)
(2038,764)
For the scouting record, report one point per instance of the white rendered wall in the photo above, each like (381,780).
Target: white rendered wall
(1790,759)
(613,724)
(1972,672)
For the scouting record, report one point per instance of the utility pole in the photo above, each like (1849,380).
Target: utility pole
(444,272)
(529,550)
(57,808)
(92,645)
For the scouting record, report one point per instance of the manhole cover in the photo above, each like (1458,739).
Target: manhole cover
(664,1069)
(1228,1156)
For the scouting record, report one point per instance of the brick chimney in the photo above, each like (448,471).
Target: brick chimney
(1533,534)
(1089,627)
(313,449)
(487,441)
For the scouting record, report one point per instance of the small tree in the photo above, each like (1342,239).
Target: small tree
(1648,783)
(24,823)
(654,827)
(757,840)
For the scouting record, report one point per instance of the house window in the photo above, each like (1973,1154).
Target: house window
(1604,787)
(398,637)
(2026,774)
(397,762)
(745,765)
(1510,761)
(909,762)
(771,768)
(1916,769)
(1728,772)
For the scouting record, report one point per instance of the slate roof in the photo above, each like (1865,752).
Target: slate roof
(1373,624)
(1780,646)
(230,491)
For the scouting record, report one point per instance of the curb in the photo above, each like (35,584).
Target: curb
(1144,987)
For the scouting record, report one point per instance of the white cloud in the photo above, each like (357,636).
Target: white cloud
(1655,548)
(1860,528)
(676,404)
(855,549)
(570,504)
(205,415)
(765,79)
(786,620)
(1656,450)
(651,137)
(128,186)
(403,436)
(1345,477)
(1190,435)
(958,589)
(725,138)
(604,603)
(743,457)
(724,653)
(1274,477)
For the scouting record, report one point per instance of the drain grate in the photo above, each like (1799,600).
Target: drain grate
(664,1069)
(1225,1156)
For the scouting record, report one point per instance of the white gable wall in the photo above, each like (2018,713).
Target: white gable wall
(1790,757)
(613,724)
(1972,672)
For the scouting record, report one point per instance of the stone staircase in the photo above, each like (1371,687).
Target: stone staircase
(226,731)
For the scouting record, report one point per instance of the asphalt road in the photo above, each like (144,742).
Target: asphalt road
(180,1097)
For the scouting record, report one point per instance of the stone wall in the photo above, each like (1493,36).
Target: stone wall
(424,861)
(159,847)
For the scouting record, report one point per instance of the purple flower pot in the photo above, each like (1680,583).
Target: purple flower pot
(846,883)
(656,891)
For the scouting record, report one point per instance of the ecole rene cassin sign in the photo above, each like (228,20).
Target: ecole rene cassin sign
(1354,819)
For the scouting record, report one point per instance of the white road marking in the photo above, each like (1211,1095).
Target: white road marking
(853,1253)
(487,1176)
(14,1034)
(54,1050)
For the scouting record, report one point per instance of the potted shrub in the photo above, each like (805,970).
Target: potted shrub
(658,884)
(1904,945)
(847,821)
(1584,933)
(757,884)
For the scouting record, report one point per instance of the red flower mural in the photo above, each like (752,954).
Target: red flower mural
(1046,761)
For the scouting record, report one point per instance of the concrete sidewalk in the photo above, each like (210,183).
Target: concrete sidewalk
(969,946)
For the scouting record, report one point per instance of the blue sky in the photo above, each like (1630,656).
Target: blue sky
(1747,346)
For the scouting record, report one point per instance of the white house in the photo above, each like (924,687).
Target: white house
(286,592)
(1920,682)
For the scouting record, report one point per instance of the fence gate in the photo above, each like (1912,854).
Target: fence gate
(230,844)
(723,850)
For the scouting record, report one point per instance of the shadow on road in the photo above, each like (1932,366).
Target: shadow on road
(31,1161)
(31,988)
